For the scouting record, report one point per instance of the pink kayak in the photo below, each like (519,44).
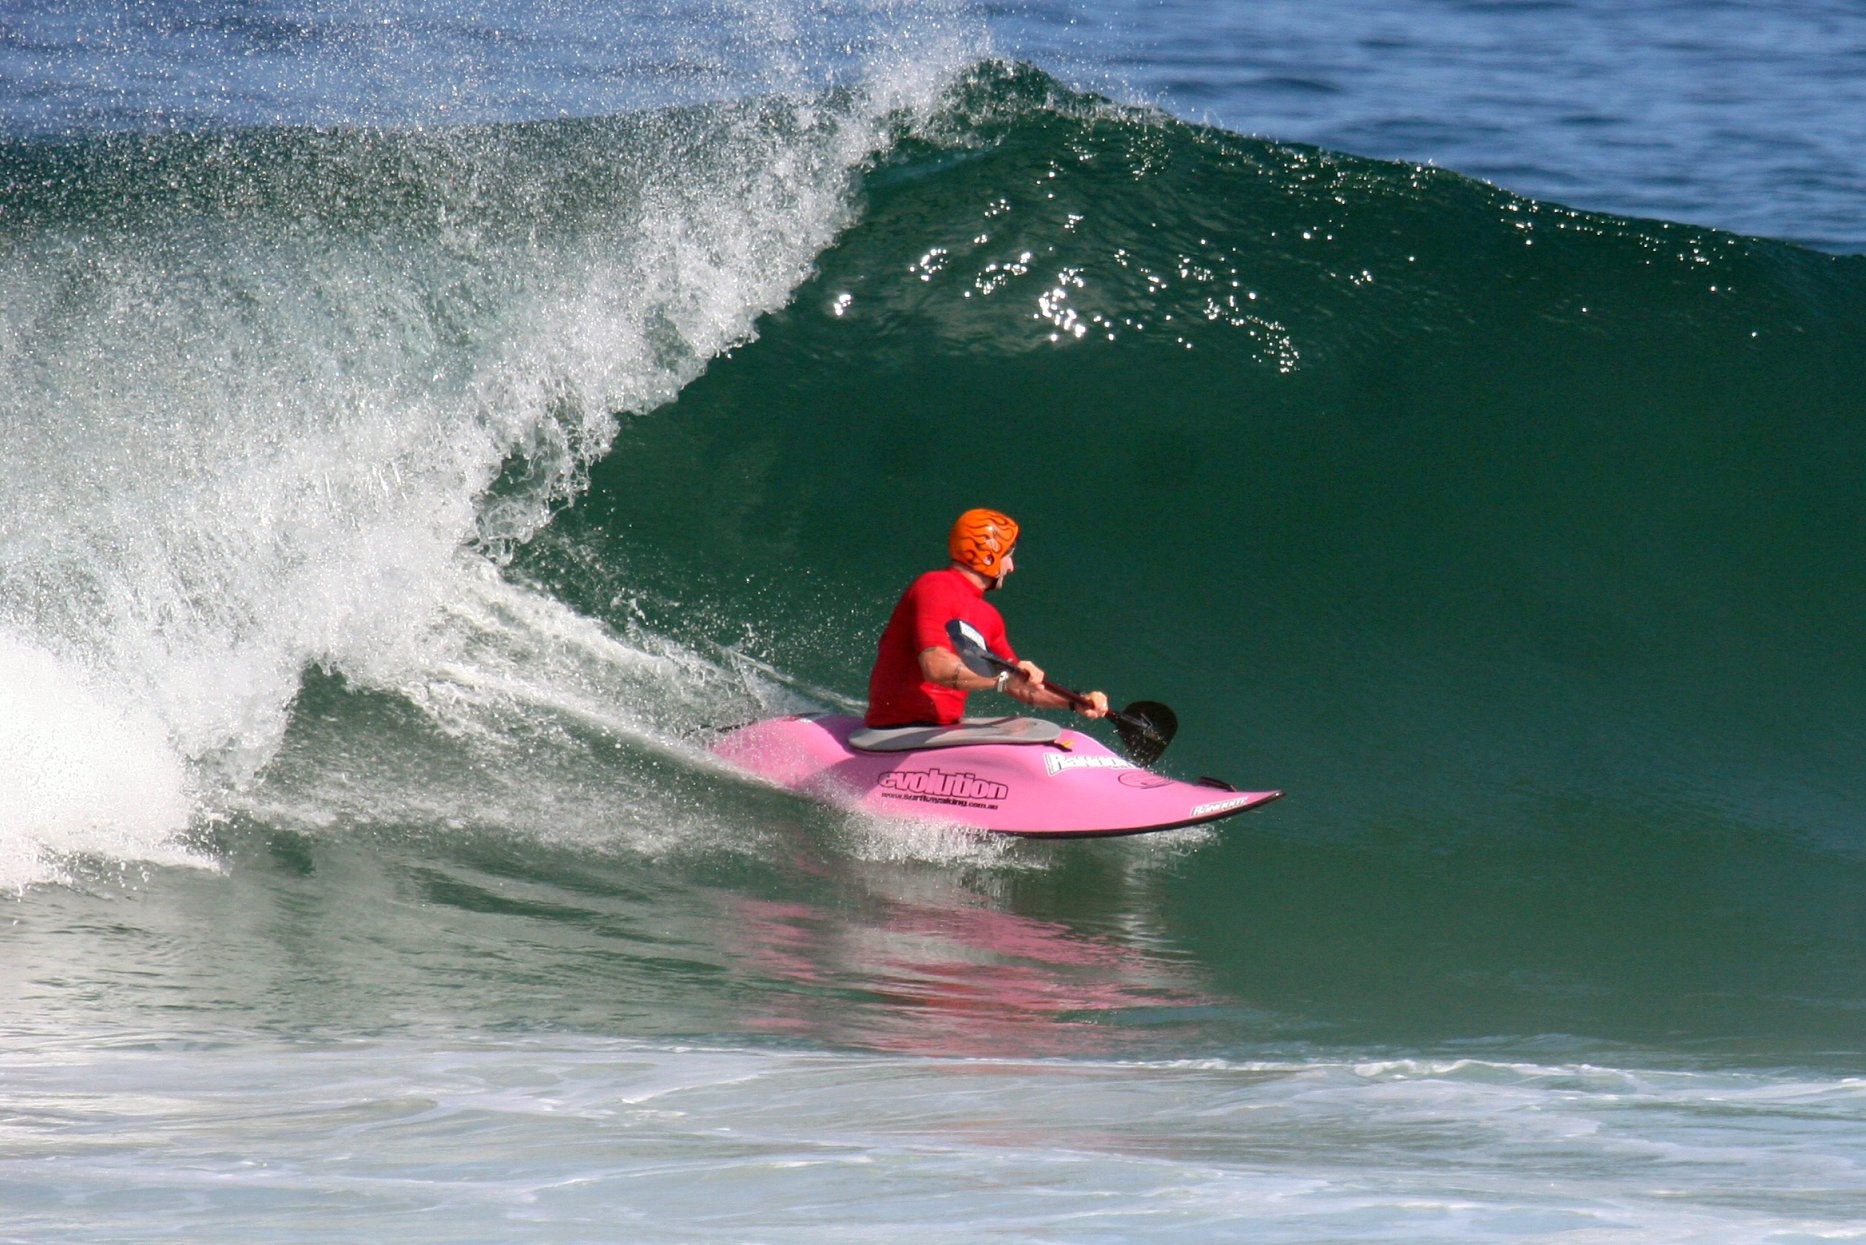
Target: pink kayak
(1010,775)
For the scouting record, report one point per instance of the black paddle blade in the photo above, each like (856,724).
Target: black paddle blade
(970,646)
(1146,727)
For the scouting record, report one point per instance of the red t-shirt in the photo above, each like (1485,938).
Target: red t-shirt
(897,694)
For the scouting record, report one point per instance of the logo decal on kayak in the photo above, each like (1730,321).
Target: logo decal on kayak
(1219,806)
(936,786)
(1056,763)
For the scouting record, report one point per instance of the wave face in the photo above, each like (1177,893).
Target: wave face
(440,486)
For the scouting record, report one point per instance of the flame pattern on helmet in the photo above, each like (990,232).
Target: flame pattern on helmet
(981,538)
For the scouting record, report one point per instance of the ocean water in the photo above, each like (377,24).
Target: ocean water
(425,425)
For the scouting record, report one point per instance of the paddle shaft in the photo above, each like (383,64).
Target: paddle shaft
(1076,699)
(1145,727)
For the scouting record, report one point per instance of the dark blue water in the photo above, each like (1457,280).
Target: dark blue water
(1746,116)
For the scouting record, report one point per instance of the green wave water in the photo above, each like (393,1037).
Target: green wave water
(389,518)
(448,489)
(1513,541)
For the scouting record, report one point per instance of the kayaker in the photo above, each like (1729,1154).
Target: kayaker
(918,679)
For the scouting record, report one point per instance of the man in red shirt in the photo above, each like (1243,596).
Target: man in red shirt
(918,679)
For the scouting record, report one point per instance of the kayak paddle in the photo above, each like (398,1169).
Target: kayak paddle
(1145,727)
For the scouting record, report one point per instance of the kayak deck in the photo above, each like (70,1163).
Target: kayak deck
(1071,786)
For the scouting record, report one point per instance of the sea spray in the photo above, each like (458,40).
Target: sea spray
(273,398)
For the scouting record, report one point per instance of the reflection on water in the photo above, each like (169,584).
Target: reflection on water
(963,978)
(953,948)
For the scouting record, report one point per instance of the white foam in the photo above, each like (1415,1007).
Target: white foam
(240,446)
(83,774)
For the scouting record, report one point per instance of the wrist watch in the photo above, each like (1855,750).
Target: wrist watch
(1004,677)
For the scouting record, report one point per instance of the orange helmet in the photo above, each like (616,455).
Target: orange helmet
(981,539)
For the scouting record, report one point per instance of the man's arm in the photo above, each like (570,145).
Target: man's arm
(942,666)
